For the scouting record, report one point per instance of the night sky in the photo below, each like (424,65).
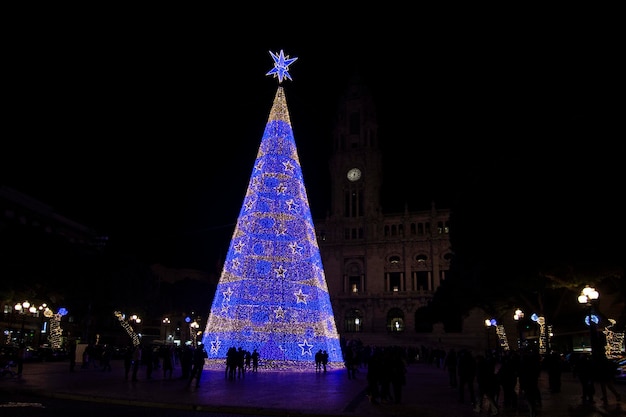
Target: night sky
(147,131)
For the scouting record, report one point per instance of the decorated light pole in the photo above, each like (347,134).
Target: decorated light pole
(489,323)
(587,297)
(135,337)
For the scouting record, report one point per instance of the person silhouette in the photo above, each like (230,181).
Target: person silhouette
(199,356)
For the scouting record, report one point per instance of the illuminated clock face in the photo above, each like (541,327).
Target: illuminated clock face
(354,174)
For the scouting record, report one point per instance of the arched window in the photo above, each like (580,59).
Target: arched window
(395,320)
(353,321)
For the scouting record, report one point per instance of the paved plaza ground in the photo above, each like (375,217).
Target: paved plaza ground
(426,394)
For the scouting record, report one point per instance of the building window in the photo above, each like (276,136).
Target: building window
(423,280)
(395,282)
(395,320)
(395,259)
(353,203)
(354,283)
(353,322)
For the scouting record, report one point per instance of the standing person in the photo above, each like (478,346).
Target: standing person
(467,375)
(248,358)
(487,383)
(374,375)
(199,356)
(71,353)
(128,360)
(186,362)
(507,376)
(450,363)
(240,356)
(318,360)
(105,361)
(324,360)
(583,369)
(398,374)
(19,358)
(167,359)
(147,357)
(255,360)
(530,369)
(136,361)
(350,360)
(555,369)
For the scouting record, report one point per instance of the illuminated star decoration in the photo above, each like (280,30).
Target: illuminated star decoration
(306,348)
(281,66)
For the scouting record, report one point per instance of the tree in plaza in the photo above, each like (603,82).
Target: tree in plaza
(272,294)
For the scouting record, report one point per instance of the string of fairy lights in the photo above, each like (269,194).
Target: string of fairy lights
(134,336)
(272,294)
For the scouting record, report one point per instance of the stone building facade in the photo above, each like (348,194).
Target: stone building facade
(380,267)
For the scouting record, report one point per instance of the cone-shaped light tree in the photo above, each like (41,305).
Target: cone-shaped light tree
(272,294)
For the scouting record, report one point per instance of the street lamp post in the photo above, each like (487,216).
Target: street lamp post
(193,330)
(587,297)
(166,322)
(23,309)
(489,323)
(518,316)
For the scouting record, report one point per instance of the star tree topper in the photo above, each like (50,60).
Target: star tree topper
(281,65)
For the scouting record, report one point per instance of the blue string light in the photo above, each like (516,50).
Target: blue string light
(272,294)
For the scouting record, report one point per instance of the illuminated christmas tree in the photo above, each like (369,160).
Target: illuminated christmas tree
(272,294)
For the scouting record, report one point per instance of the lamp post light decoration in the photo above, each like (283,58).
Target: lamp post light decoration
(587,297)
(518,316)
(134,336)
(614,341)
(56,332)
(543,338)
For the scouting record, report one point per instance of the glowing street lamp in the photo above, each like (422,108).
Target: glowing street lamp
(587,297)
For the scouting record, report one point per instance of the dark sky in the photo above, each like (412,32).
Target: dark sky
(148,130)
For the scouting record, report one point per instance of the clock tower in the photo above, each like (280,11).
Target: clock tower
(381,267)
(355,163)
